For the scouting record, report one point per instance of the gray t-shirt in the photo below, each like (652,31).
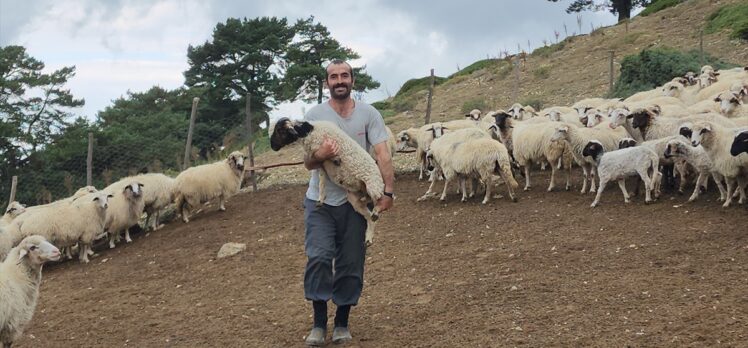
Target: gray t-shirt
(365,126)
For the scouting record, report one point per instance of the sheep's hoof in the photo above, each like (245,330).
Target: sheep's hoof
(514,199)
(185,220)
(726,205)
(527,188)
(484,201)
(222,208)
(568,188)
(593,205)
(374,217)
(84,260)
(647,201)
(368,243)
(550,189)
(111,245)
(626,201)
(128,240)
(442,199)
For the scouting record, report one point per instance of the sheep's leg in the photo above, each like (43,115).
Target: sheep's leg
(680,167)
(697,189)
(603,182)
(489,182)
(222,202)
(430,192)
(656,183)
(358,202)
(185,210)
(89,251)
(542,165)
(585,174)
(720,186)
(552,184)
(509,187)
(461,181)
(473,184)
(730,190)
(741,188)
(568,175)
(527,176)
(593,175)
(444,191)
(111,240)
(127,235)
(647,184)
(83,253)
(622,185)
(322,183)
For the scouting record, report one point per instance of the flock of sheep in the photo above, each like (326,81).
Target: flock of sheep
(693,124)
(31,236)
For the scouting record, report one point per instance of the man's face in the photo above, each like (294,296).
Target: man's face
(339,81)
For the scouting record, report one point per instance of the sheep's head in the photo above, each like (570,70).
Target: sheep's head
(728,102)
(236,160)
(561,132)
(516,111)
(553,115)
(676,147)
(473,115)
(626,142)
(133,190)
(707,69)
(685,130)
(15,209)
(739,144)
(403,140)
(437,130)
(583,111)
(707,79)
(619,116)
(501,120)
(593,149)
(287,132)
(430,160)
(691,78)
(700,131)
(101,199)
(84,191)
(38,250)
(642,118)
(673,88)
(594,117)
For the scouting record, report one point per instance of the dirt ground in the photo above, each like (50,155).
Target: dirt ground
(546,271)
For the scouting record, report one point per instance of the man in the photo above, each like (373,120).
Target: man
(335,233)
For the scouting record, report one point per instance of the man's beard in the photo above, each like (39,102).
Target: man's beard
(343,95)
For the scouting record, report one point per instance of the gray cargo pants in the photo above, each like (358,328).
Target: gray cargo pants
(334,233)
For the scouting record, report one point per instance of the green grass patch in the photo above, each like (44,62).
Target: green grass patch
(659,5)
(543,72)
(479,65)
(477,103)
(733,17)
(546,51)
(537,104)
(655,67)
(414,85)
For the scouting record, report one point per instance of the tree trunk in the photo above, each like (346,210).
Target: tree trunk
(623,8)
(320,91)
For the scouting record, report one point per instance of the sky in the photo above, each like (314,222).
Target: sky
(132,45)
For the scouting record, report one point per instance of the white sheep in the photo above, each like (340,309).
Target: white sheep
(158,193)
(473,115)
(731,104)
(699,159)
(651,126)
(353,169)
(465,153)
(391,143)
(533,144)
(619,164)
(561,114)
(20,278)
(14,209)
(578,139)
(717,141)
(63,225)
(125,208)
(520,112)
(200,184)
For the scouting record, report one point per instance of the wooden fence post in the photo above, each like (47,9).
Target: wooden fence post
(515,90)
(611,73)
(431,94)
(89,160)
(188,145)
(13,185)
(701,47)
(250,146)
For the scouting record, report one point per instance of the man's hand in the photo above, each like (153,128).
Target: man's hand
(327,150)
(384,203)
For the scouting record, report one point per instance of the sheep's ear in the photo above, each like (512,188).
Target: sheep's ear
(21,253)
(141,185)
(110,196)
(718,99)
(96,199)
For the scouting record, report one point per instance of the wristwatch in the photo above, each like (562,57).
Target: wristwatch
(389,194)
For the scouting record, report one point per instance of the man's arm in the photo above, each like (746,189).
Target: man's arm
(327,150)
(384,162)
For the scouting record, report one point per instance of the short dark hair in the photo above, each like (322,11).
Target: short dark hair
(337,61)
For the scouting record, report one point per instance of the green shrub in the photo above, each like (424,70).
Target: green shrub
(387,113)
(381,105)
(404,104)
(504,71)
(414,85)
(659,5)
(543,72)
(477,103)
(652,68)
(479,65)
(546,51)
(537,104)
(733,17)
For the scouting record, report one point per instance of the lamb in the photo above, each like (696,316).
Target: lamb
(739,144)
(158,194)
(698,158)
(533,144)
(125,208)
(353,169)
(200,184)
(20,278)
(506,124)
(578,139)
(619,164)
(468,152)
(717,141)
(63,225)
(731,104)
(653,127)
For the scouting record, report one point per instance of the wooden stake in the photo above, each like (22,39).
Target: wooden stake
(611,72)
(431,94)
(250,146)
(89,160)
(13,185)
(188,145)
